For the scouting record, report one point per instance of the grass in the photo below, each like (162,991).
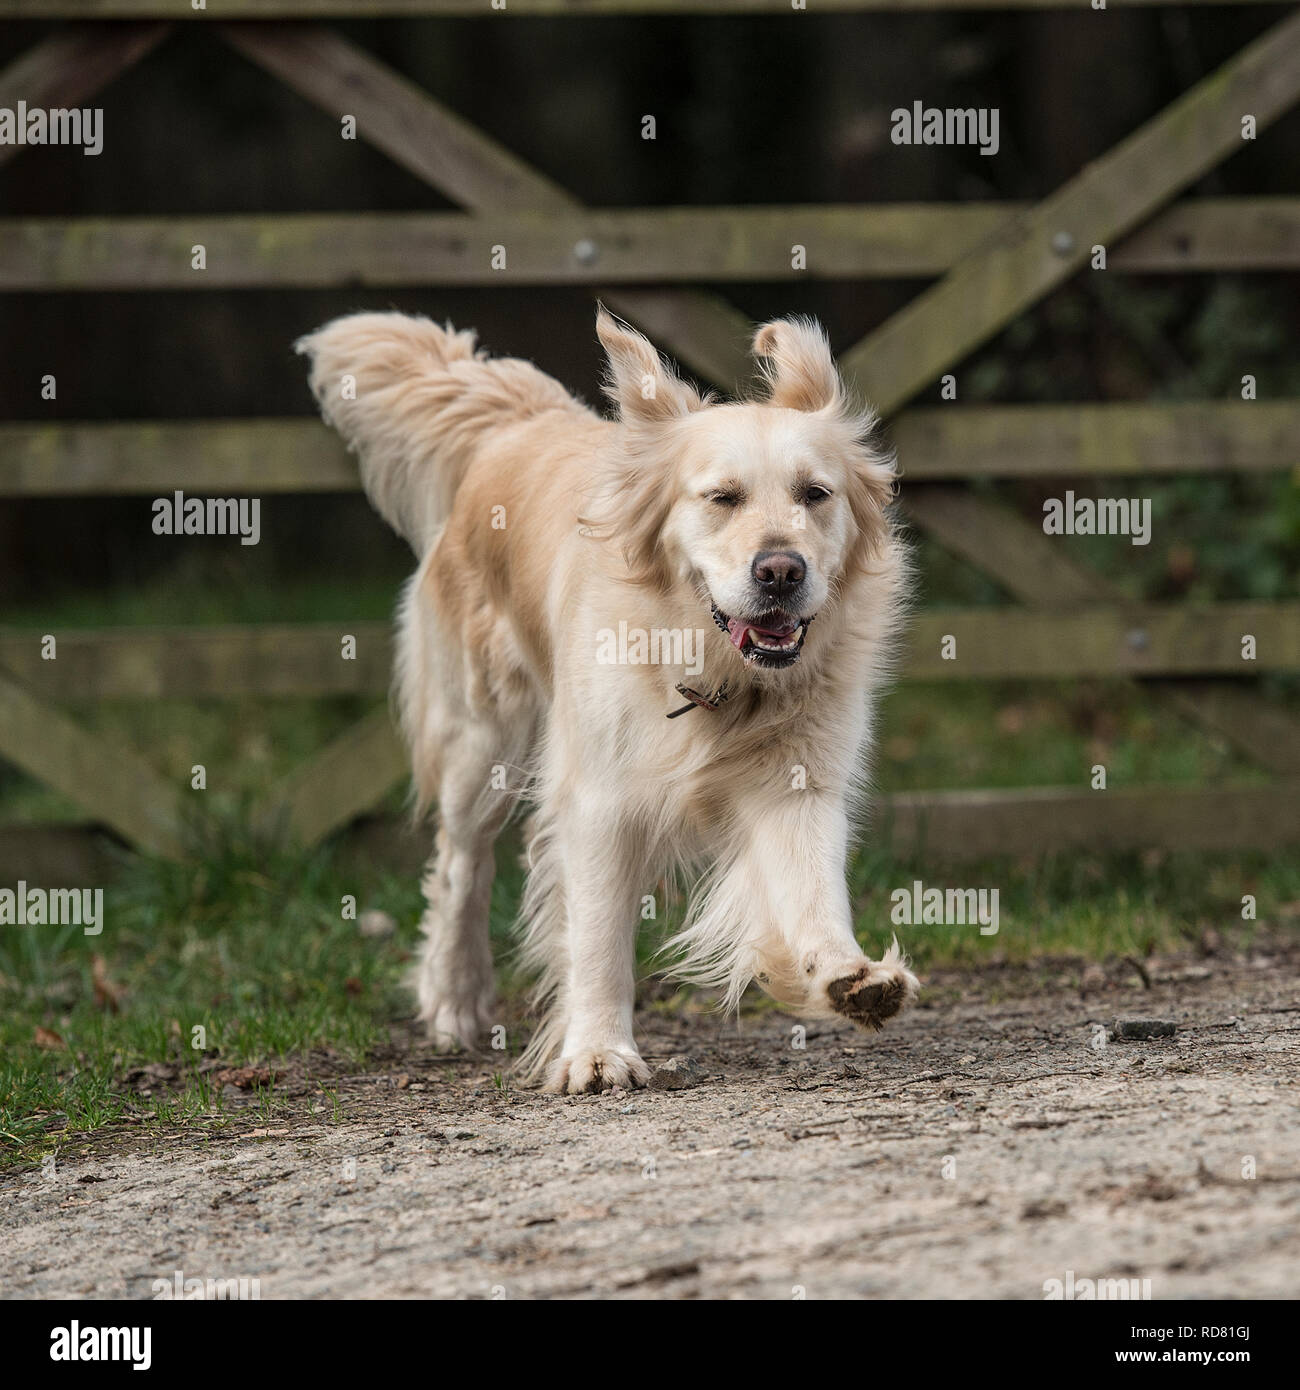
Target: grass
(250,945)
(1091,907)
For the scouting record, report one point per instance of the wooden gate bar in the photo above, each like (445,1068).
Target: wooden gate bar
(108,779)
(285,660)
(1042,248)
(347,777)
(1032,566)
(257,457)
(393,114)
(1102,441)
(263,457)
(628,246)
(69,67)
(1037,571)
(1040,820)
(203,661)
(708,335)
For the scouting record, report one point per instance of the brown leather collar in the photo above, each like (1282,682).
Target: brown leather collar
(698,700)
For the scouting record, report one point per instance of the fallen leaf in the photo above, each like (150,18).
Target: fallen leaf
(107,994)
(47,1038)
(245,1078)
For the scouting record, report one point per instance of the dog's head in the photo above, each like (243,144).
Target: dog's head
(763,509)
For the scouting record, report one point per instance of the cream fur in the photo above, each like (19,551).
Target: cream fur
(540,526)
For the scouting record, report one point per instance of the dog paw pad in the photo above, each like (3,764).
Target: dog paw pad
(872,995)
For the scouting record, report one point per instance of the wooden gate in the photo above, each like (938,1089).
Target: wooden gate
(993,261)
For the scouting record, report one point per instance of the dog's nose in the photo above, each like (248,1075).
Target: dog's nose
(777,572)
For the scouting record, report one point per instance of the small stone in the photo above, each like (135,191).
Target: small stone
(1141,1029)
(377,923)
(676,1074)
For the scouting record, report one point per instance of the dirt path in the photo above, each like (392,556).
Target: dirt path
(979,1148)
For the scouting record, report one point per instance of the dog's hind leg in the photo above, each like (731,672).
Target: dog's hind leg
(468,714)
(479,781)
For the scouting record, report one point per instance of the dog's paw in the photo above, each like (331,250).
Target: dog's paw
(873,993)
(600,1069)
(455,1027)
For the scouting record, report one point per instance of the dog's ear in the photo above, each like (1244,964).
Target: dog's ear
(872,482)
(642,385)
(795,358)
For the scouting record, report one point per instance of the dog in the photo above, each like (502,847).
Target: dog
(666,629)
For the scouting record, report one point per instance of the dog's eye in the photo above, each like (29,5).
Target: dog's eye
(812,494)
(725,499)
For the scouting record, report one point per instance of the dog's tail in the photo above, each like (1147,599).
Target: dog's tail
(413,401)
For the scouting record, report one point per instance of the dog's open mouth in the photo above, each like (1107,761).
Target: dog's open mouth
(768,639)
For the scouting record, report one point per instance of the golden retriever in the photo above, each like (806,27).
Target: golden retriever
(616,619)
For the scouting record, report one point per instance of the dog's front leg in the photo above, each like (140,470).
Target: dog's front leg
(796,852)
(604,872)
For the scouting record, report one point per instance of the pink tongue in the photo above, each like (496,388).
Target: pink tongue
(738,631)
